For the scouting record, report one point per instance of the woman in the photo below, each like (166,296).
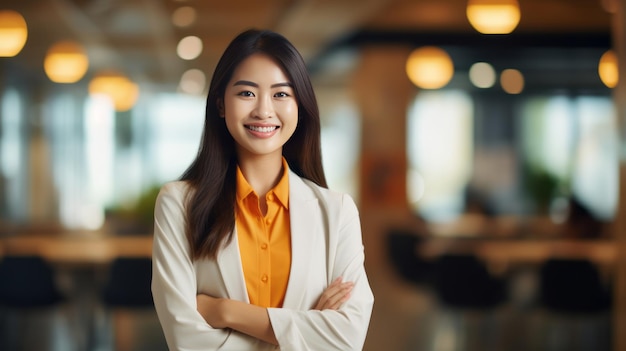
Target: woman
(251,250)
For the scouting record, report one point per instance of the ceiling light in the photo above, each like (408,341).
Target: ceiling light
(66,62)
(493,16)
(512,81)
(193,81)
(429,67)
(13,33)
(121,90)
(482,75)
(184,16)
(189,48)
(607,69)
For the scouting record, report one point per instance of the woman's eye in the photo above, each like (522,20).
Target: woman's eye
(281,94)
(246,93)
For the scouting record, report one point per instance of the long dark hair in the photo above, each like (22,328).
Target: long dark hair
(210,207)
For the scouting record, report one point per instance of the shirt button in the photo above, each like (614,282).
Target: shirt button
(264,278)
(264,246)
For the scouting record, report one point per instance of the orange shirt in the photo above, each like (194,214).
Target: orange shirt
(264,241)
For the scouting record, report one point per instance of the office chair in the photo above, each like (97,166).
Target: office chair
(128,283)
(576,306)
(29,305)
(27,281)
(463,281)
(469,297)
(129,308)
(402,252)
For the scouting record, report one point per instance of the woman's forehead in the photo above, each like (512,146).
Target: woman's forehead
(259,68)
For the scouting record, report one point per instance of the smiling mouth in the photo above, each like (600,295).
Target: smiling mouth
(258,129)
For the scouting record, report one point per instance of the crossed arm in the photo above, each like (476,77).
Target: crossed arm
(254,320)
(209,322)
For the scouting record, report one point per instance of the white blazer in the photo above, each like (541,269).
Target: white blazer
(326,243)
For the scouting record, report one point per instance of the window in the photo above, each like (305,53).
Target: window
(574,139)
(12,168)
(440,147)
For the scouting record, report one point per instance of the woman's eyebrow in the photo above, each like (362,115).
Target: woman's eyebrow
(285,84)
(246,82)
(255,85)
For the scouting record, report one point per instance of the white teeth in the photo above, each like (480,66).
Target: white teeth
(262,129)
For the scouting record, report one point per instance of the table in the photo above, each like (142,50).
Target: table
(76,248)
(600,251)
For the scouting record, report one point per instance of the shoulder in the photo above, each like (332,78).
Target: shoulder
(173,194)
(330,199)
(177,186)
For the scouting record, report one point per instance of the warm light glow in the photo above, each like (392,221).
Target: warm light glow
(609,6)
(429,67)
(493,16)
(189,47)
(184,16)
(512,81)
(121,90)
(13,33)
(66,62)
(607,69)
(482,75)
(193,81)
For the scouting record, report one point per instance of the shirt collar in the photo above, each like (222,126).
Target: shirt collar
(281,190)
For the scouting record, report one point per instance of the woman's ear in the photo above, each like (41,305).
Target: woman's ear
(220,107)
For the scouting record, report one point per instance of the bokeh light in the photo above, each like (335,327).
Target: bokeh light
(13,33)
(429,67)
(482,75)
(193,81)
(184,16)
(512,81)
(493,16)
(66,62)
(189,47)
(607,69)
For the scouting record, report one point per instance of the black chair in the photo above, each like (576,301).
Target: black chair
(131,321)
(27,281)
(128,283)
(402,246)
(469,298)
(573,286)
(30,304)
(575,305)
(463,281)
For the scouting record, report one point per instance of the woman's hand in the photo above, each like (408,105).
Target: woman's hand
(335,295)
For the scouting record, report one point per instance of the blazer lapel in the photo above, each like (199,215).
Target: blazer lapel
(303,213)
(229,263)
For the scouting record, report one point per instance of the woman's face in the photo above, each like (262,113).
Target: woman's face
(260,107)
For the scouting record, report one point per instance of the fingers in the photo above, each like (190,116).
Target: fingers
(341,295)
(335,295)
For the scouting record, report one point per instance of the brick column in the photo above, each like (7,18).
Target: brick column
(382,92)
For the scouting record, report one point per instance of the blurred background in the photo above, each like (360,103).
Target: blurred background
(481,139)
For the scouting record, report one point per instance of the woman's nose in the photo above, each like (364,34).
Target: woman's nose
(264,107)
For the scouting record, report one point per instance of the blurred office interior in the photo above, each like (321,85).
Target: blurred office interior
(486,162)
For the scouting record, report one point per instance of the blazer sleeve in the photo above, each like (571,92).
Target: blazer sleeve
(173,278)
(343,329)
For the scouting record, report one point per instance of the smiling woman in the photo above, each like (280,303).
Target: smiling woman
(261,112)
(251,250)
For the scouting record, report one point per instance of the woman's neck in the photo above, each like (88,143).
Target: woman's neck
(262,173)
